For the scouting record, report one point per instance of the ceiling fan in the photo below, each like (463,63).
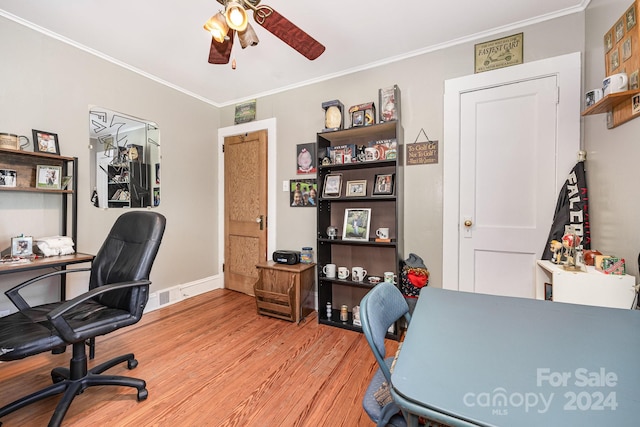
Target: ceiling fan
(224,25)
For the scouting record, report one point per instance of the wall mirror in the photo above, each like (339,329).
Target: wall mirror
(125,160)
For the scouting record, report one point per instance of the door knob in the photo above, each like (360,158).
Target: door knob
(468,223)
(260,220)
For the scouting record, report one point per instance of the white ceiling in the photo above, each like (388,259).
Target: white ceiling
(164,39)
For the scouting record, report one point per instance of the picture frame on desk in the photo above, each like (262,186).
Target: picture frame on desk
(21,246)
(48,177)
(45,142)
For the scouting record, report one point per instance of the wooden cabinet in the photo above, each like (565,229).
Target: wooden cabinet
(592,287)
(386,211)
(285,291)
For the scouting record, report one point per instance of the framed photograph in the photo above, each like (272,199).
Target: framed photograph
(332,185)
(383,184)
(615,60)
(630,16)
(608,42)
(49,177)
(635,104)
(357,118)
(303,193)
(619,30)
(356,224)
(357,188)
(626,49)
(548,292)
(633,80)
(45,142)
(8,178)
(21,246)
(306,157)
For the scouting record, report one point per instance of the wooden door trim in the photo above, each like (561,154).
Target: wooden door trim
(567,69)
(270,126)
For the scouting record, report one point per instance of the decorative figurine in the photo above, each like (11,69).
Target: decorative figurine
(556,249)
(570,242)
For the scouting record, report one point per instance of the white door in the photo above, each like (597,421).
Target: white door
(514,145)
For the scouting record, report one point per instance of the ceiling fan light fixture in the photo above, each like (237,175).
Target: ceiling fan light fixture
(248,37)
(236,15)
(217,26)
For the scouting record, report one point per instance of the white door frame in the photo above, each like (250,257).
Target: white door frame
(270,126)
(567,68)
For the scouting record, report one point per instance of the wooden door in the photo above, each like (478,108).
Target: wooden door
(245,212)
(512,136)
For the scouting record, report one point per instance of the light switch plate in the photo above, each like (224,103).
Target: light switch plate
(285,185)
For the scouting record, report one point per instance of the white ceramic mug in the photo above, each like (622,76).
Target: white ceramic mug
(370,154)
(329,270)
(358,274)
(383,232)
(389,277)
(615,83)
(343,272)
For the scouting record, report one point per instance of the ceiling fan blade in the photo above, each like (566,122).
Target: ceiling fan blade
(288,32)
(219,53)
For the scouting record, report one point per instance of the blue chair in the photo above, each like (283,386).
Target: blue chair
(381,307)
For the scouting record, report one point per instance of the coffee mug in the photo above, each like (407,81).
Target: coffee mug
(383,232)
(389,277)
(329,270)
(358,274)
(370,154)
(615,83)
(343,272)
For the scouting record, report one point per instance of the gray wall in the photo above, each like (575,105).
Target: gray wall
(48,85)
(421,81)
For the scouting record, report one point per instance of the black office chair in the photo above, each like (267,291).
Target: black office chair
(118,293)
(381,307)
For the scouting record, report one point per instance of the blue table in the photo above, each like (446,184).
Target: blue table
(474,359)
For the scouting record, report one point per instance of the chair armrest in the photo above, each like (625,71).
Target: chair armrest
(56,315)
(14,293)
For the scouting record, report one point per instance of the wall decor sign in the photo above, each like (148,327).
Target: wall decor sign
(422,153)
(499,53)
(245,112)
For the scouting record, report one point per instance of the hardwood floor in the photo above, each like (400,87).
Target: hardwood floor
(212,361)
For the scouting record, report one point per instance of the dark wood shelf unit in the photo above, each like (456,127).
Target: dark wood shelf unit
(25,164)
(386,211)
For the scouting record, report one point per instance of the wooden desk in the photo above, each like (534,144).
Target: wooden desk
(285,291)
(473,359)
(61,262)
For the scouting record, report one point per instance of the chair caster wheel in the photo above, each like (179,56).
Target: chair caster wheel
(131,364)
(142,394)
(57,378)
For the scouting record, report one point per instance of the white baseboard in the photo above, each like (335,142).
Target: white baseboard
(181,292)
